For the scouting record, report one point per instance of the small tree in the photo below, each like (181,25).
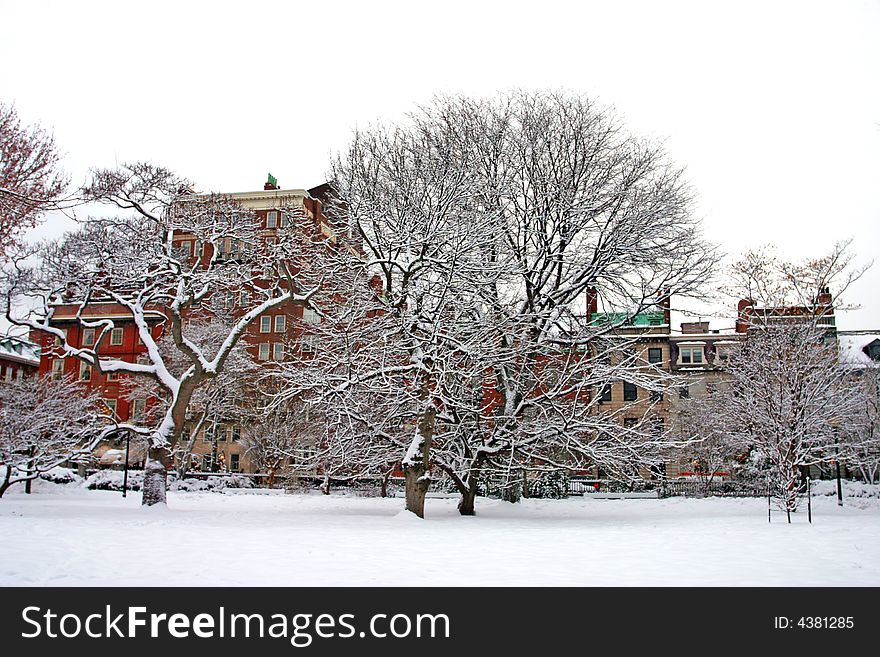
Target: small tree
(860,433)
(30,180)
(788,392)
(44,423)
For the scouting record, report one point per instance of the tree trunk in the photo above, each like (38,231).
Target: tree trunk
(385,478)
(415,470)
(417,482)
(512,491)
(466,503)
(6,478)
(155,476)
(325,486)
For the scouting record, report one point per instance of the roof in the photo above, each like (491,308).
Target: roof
(853,347)
(19,350)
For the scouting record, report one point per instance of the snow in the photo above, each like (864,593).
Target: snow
(67,535)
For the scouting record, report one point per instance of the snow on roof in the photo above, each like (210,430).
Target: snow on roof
(19,350)
(852,347)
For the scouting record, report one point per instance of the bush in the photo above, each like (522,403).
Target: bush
(61,476)
(550,485)
(112,480)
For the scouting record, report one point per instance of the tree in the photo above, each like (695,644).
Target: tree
(145,263)
(788,392)
(44,423)
(488,224)
(282,441)
(860,433)
(30,180)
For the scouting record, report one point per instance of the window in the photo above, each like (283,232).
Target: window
(138,409)
(88,337)
(57,369)
(116,337)
(309,342)
(221,434)
(691,355)
(310,316)
(684,392)
(19,374)
(655,355)
(605,393)
(85,372)
(111,406)
(58,341)
(236,433)
(9,373)
(278,351)
(280,323)
(630,391)
(872,351)
(243,299)
(656,396)
(265,324)
(630,422)
(234,462)
(185,247)
(113,376)
(272,219)
(264,351)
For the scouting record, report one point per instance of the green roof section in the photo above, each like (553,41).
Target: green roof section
(652,318)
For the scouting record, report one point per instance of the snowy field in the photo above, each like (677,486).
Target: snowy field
(71,536)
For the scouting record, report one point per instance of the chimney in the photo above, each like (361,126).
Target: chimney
(824,298)
(592,302)
(271,183)
(691,328)
(664,300)
(743,315)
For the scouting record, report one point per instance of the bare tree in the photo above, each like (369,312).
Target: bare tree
(487,224)
(788,393)
(44,423)
(860,432)
(30,179)
(145,263)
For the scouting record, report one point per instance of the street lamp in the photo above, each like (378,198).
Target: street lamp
(125,467)
(835,428)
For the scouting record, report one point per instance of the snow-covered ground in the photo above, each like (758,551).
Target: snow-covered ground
(66,535)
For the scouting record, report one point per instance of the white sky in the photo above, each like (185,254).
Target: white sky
(773,107)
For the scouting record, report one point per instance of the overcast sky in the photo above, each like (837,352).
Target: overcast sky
(773,107)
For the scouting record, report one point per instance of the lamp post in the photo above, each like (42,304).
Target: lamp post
(836,429)
(125,467)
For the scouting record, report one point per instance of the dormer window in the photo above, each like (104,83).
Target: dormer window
(873,350)
(691,355)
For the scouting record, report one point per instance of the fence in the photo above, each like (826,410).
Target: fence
(691,488)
